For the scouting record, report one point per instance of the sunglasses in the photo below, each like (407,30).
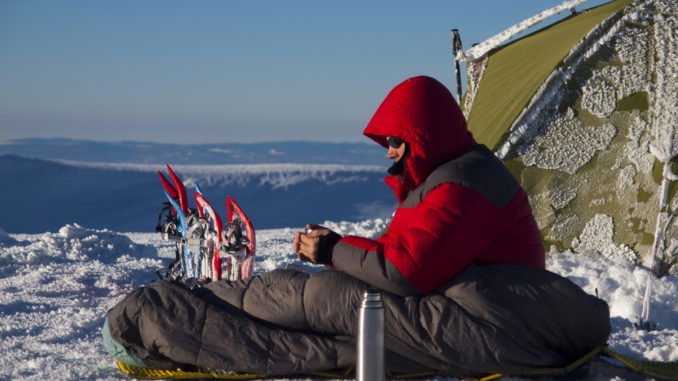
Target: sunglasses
(394,142)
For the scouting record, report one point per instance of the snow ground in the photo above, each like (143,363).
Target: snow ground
(55,288)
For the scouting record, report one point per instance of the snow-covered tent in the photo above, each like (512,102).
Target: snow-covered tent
(584,113)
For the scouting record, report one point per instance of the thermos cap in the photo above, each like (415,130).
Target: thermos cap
(372,299)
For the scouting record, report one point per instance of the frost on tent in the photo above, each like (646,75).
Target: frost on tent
(595,136)
(597,133)
(634,165)
(480,50)
(666,7)
(633,51)
(598,236)
(551,201)
(625,181)
(665,142)
(637,149)
(567,144)
(665,112)
(562,228)
(600,93)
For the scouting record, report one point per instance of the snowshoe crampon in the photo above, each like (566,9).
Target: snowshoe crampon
(206,248)
(238,242)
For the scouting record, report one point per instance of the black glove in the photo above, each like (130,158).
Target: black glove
(325,246)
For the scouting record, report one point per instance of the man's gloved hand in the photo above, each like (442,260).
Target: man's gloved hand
(315,245)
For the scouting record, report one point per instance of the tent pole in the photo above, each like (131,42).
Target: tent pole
(456,48)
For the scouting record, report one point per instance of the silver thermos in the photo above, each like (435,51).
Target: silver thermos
(370,362)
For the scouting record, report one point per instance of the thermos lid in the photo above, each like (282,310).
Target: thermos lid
(372,299)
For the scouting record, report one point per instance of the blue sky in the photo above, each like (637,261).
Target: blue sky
(224,71)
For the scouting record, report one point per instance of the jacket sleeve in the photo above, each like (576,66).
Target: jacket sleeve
(364,259)
(425,245)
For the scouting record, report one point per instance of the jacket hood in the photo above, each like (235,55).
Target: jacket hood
(423,113)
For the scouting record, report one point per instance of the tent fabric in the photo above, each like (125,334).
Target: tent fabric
(515,71)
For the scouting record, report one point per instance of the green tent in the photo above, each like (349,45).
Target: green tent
(583,113)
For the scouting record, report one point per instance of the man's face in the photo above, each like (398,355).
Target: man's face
(395,153)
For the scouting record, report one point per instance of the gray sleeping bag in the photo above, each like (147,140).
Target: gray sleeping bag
(496,318)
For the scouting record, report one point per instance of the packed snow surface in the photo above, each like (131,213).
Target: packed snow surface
(56,287)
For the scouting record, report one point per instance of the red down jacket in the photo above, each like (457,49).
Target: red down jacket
(458,203)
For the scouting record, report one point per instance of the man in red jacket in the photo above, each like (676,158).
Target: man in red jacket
(458,204)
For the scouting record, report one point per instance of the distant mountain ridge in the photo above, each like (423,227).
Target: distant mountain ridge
(219,153)
(43,195)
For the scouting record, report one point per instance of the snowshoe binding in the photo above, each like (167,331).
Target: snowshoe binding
(206,249)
